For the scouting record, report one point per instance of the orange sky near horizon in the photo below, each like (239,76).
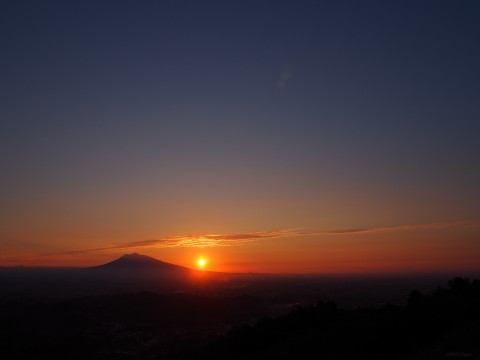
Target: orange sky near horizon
(397,249)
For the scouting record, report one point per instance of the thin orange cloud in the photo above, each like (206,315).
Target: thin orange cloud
(210,240)
(190,241)
(390,228)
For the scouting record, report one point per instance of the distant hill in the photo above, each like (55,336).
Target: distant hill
(129,273)
(135,261)
(146,273)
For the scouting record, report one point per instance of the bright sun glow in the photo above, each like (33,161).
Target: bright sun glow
(201,262)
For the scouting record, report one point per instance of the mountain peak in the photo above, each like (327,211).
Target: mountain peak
(135,261)
(136,256)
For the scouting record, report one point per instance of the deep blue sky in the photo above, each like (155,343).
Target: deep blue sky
(193,116)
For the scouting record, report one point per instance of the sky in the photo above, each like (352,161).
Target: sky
(265,136)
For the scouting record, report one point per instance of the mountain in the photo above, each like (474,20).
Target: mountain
(142,269)
(129,273)
(135,261)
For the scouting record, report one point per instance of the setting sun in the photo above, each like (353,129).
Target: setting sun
(201,262)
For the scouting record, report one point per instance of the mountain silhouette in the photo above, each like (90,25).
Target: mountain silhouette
(136,272)
(135,261)
(129,273)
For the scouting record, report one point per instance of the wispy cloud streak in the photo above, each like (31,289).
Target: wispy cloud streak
(210,240)
(393,228)
(207,240)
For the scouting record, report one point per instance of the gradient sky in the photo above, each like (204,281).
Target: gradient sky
(257,134)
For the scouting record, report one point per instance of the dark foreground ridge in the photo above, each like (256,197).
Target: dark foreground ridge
(442,325)
(181,326)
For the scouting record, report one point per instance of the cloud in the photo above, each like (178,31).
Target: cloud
(207,240)
(211,240)
(393,228)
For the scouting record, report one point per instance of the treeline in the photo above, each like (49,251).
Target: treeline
(429,327)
